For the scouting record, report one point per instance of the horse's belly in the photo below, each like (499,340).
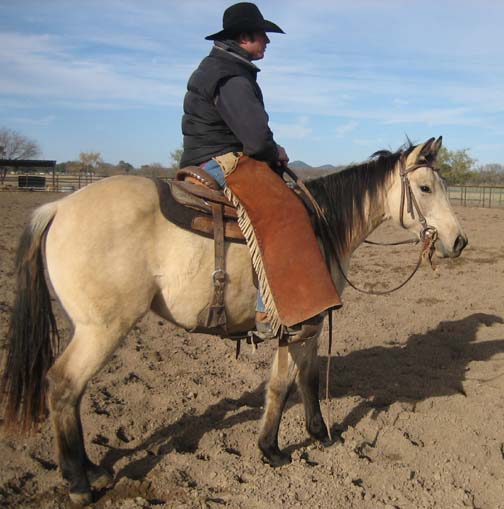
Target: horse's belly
(186,263)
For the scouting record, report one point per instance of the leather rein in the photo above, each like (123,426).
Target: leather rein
(428,234)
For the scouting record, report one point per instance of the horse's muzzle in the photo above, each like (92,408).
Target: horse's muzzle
(445,251)
(459,245)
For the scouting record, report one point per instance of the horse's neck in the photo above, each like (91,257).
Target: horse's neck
(375,214)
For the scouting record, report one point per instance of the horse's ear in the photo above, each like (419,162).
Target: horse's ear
(436,146)
(426,147)
(419,151)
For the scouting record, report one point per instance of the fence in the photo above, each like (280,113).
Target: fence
(477,196)
(466,196)
(53,182)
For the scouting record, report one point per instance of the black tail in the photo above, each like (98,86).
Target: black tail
(32,340)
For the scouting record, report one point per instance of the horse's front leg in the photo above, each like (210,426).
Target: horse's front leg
(278,390)
(303,364)
(308,381)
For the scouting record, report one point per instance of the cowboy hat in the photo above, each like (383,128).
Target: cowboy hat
(243,17)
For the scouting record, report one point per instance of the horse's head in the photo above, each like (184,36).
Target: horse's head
(418,199)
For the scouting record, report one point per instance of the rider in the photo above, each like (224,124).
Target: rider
(223,107)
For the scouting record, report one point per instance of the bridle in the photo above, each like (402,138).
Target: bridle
(411,202)
(428,234)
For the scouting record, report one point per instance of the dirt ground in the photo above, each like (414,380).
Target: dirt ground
(417,390)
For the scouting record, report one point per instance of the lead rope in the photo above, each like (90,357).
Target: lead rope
(328,370)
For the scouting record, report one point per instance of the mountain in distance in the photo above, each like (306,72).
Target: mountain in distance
(299,165)
(306,171)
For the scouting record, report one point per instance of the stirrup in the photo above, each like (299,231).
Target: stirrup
(263,331)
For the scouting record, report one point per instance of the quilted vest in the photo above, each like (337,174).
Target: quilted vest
(205,133)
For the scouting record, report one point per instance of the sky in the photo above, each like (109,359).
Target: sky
(348,78)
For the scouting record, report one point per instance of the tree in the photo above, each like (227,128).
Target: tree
(125,167)
(14,145)
(489,174)
(90,161)
(456,166)
(176,156)
(156,170)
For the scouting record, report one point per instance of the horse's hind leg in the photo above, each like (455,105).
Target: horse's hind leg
(85,355)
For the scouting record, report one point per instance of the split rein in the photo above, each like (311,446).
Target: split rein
(428,235)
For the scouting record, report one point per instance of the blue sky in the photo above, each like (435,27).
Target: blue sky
(349,78)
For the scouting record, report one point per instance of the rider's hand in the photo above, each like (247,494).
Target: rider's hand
(283,158)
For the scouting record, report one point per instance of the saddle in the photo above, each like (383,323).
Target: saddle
(195,202)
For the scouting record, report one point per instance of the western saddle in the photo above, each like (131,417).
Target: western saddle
(194,201)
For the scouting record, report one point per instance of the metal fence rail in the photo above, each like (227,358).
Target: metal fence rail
(466,196)
(477,196)
(57,183)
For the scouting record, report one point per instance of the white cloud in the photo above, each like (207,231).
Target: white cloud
(40,121)
(346,128)
(43,66)
(293,131)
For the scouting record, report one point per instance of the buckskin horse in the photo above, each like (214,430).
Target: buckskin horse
(110,267)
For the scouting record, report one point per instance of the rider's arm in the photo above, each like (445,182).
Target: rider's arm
(244,114)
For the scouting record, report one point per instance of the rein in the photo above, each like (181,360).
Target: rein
(428,235)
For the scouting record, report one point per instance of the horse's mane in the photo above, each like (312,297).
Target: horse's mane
(343,195)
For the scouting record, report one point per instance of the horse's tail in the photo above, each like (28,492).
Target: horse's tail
(32,340)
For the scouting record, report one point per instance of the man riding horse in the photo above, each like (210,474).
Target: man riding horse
(225,128)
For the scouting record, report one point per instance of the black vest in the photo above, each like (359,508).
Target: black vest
(205,133)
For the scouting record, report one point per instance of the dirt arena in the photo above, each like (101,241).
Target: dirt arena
(417,386)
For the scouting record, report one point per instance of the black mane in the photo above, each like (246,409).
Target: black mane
(342,195)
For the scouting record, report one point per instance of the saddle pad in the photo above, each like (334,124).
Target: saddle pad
(191,216)
(295,282)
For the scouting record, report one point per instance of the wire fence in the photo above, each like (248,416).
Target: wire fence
(465,196)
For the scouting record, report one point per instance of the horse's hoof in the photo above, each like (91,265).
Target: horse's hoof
(318,431)
(99,478)
(80,499)
(322,436)
(275,457)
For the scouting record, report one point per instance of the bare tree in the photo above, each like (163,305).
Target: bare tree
(17,146)
(90,161)
(176,156)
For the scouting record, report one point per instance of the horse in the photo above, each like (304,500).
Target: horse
(110,256)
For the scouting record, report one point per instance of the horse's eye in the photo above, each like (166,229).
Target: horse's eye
(425,189)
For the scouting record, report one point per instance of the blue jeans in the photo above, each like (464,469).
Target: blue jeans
(213,168)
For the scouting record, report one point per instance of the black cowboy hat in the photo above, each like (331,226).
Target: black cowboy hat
(243,17)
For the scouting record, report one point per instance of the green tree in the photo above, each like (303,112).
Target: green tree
(456,166)
(125,167)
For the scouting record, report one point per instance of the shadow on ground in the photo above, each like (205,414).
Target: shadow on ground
(429,365)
